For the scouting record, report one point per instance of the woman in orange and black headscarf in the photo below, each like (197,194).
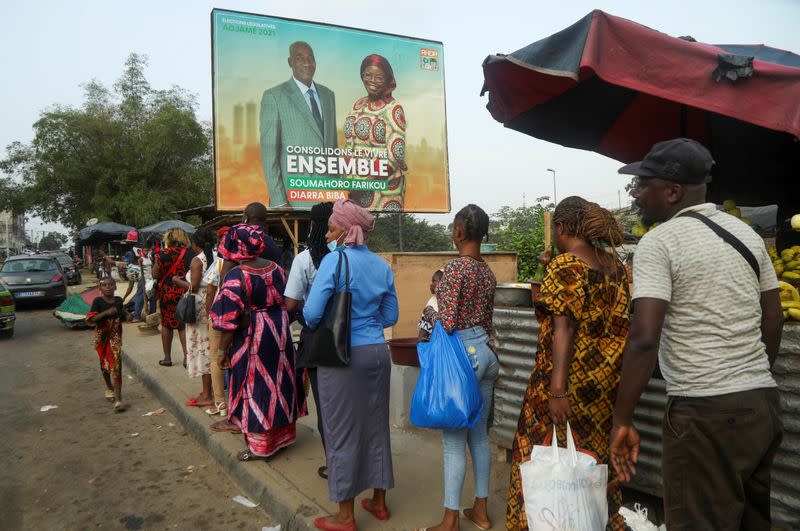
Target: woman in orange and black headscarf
(376,124)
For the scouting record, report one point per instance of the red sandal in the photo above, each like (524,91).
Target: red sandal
(321,523)
(197,401)
(380,514)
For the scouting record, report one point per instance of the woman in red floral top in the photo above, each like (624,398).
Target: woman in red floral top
(466,302)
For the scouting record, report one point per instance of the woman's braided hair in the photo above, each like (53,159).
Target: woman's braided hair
(476,222)
(589,221)
(317,244)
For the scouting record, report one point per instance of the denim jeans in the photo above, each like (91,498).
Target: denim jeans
(138,301)
(454,442)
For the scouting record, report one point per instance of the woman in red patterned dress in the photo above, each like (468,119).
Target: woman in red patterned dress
(172,261)
(377,124)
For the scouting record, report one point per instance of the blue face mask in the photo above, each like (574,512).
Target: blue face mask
(332,245)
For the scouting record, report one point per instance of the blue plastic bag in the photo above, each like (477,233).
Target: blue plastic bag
(447,396)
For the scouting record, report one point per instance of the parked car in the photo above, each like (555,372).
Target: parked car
(34,278)
(7,312)
(71,270)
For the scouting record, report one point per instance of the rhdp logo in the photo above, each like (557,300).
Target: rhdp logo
(429,59)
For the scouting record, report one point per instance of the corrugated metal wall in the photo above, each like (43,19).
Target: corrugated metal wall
(516,335)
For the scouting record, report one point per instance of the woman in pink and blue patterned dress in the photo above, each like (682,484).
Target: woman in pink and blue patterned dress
(265,389)
(377,124)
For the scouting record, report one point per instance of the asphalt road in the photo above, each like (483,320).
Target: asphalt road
(81,466)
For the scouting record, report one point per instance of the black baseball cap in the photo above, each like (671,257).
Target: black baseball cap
(680,160)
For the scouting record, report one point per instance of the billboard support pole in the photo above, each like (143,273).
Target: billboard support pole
(296,238)
(292,235)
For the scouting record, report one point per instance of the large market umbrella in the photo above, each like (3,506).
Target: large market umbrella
(158,229)
(103,232)
(613,86)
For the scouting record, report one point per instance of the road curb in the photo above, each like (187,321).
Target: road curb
(282,500)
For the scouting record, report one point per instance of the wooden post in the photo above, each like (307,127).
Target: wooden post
(548,231)
(296,238)
(292,235)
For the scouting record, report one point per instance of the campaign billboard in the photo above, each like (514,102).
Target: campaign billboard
(307,112)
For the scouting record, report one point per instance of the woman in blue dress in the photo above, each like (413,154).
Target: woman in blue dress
(355,398)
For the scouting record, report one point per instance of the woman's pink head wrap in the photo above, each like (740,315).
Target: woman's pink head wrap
(354,220)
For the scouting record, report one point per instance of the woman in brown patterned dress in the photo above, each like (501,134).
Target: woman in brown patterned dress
(583,308)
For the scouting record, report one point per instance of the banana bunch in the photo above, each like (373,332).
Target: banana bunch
(729,207)
(640,229)
(790,301)
(787,263)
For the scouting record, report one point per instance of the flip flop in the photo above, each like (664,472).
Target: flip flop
(320,523)
(323,472)
(199,401)
(224,425)
(247,455)
(119,407)
(382,515)
(110,396)
(165,363)
(476,524)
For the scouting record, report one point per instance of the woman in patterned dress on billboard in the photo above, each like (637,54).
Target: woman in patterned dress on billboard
(377,123)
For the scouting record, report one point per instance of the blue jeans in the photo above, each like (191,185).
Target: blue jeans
(454,442)
(138,301)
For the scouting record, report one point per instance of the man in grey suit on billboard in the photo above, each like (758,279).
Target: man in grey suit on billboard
(297,112)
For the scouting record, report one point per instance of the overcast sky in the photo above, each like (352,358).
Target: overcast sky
(49,48)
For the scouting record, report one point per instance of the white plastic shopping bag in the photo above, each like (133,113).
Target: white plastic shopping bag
(563,489)
(637,519)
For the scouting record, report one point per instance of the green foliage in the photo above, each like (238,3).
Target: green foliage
(52,241)
(132,155)
(521,230)
(416,235)
(629,216)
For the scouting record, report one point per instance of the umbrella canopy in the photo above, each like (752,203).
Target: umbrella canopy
(613,86)
(103,232)
(158,229)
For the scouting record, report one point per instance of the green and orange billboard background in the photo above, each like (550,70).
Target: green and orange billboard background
(250,56)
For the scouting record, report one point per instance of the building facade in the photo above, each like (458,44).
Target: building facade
(12,233)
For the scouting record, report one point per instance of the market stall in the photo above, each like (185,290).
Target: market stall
(102,235)
(612,86)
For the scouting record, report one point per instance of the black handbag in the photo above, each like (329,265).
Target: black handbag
(329,343)
(186,310)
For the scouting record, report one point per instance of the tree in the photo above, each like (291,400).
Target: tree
(521,230)
(403,232)
(131,154)
(629,216)
(52,241)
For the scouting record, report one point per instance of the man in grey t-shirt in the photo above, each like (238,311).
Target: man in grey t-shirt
(710,312)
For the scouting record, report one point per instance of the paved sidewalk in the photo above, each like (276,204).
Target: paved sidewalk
(287,486)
